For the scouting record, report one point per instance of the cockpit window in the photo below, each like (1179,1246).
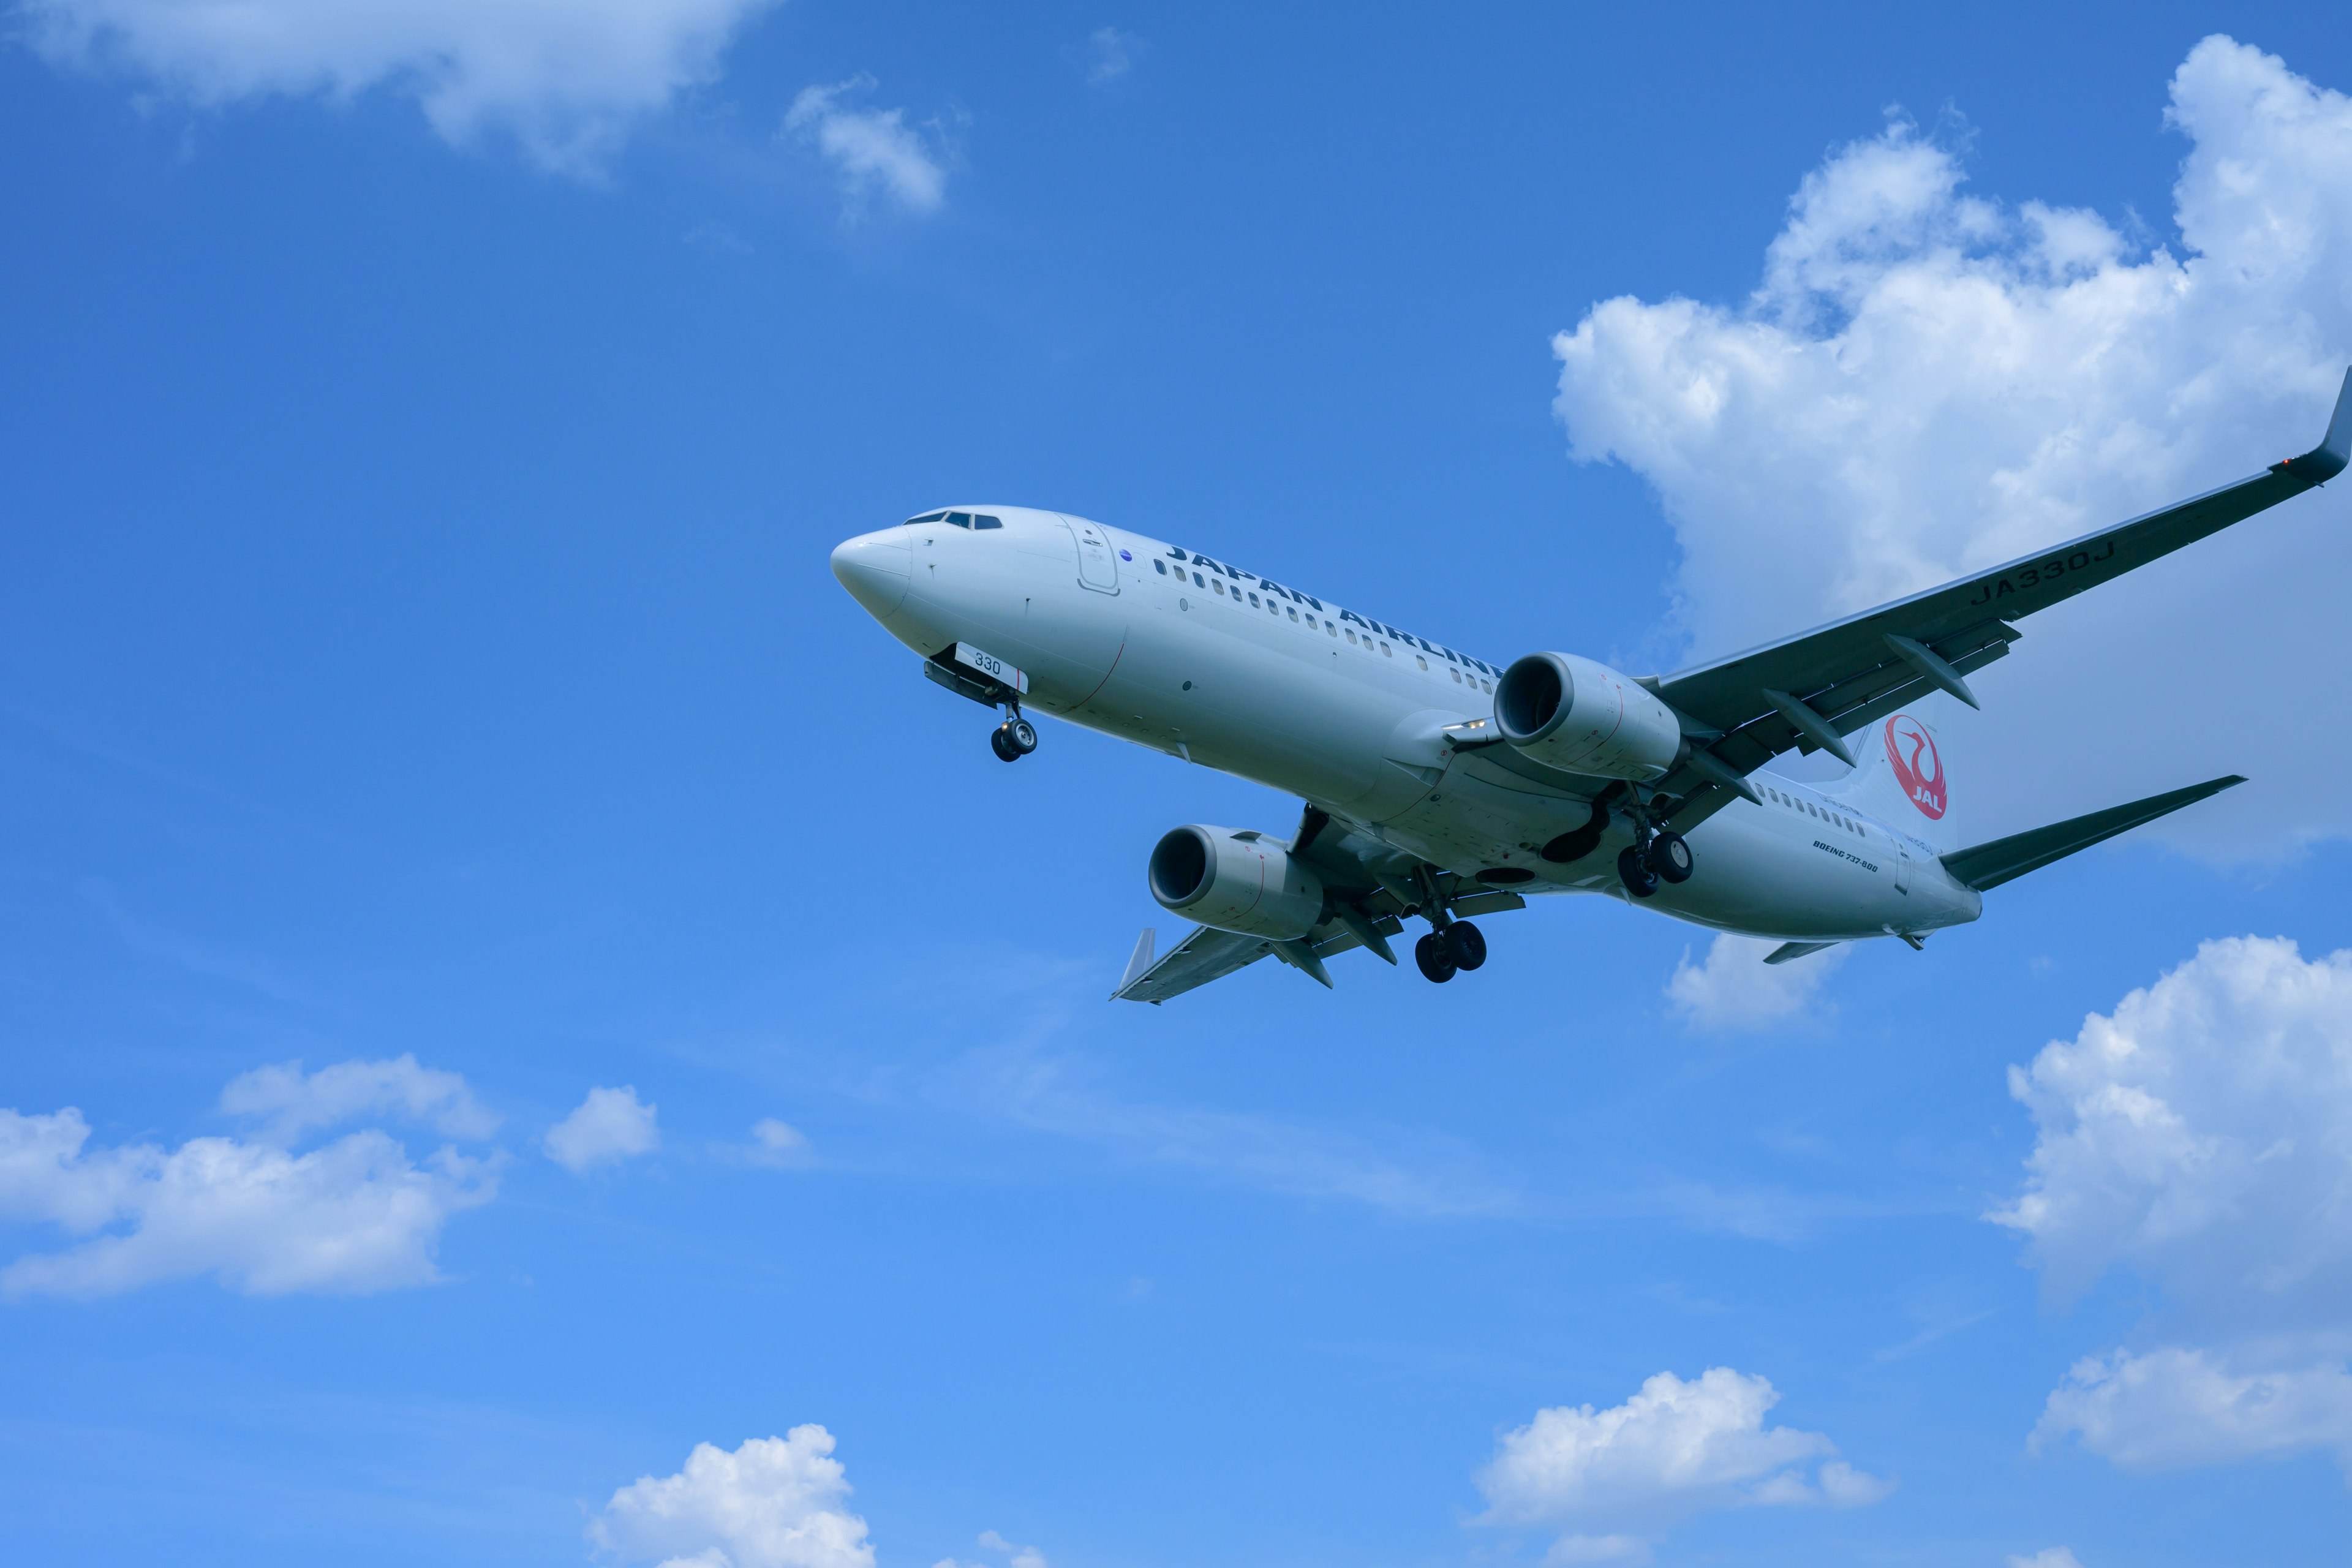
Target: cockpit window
(927,517)
(981,520)
(961,519)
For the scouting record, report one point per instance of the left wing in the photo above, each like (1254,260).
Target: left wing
(1360,900)
(1808,691)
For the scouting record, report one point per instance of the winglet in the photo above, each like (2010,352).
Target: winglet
(1139,965)
(2334,453)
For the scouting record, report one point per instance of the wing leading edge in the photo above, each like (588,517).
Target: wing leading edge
(1805,691)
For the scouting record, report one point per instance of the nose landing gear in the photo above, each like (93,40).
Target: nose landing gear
(1015,739)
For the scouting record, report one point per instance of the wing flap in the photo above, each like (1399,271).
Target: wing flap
(1987,866)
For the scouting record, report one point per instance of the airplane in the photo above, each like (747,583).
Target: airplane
(1437,786)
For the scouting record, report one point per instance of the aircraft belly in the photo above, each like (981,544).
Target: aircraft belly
(1753,876)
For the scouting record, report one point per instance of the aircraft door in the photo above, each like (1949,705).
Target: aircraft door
(1902,867)
(1097,566)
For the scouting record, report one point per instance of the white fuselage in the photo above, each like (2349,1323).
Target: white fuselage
(1195,659)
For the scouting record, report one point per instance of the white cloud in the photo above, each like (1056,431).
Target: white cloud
(2052,1557)
(1022,1556)
(1927,383)
(873,150)
(779,1145)
(2176,1406)
(565,77)
(1107,55)
(291,1103)
(610,1124)
(775,1502)
(2201,1137)
(354,1216)
(1674,1448)
(1733,988)
(2198,1135)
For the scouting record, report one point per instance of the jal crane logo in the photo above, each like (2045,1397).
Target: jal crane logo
(1919,766)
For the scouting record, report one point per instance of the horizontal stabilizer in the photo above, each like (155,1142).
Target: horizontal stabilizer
(1987,866)
(1789,950)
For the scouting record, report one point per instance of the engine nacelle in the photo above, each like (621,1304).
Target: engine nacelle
(1243,884)
(1570,714)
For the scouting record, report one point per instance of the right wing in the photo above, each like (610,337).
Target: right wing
(1808,691)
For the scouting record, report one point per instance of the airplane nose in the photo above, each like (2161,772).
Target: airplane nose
(876,568)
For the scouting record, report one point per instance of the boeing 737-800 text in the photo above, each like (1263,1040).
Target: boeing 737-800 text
(1439,786)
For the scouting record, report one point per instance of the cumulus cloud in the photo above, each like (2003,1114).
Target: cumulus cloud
(610,1124)
(2052,1557)
(1673,1449)
(873,150)
(290,1102)
(1733,988)
(352,1217)
(566,79)
(2200,1136)
(2176,1406)
(1927,383)
(775,1502)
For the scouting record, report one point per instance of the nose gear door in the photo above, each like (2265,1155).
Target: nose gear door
(1097,567)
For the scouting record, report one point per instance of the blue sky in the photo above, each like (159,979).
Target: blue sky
(423,436)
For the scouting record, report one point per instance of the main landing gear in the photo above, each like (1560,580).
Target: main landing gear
(1458,945)
(1451,945)
(1015,739)
(1661,855)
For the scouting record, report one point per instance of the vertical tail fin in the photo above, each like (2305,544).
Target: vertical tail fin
(1904,779)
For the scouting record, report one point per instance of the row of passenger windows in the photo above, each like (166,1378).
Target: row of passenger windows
(1795,804)
(961,519)
(1273,607)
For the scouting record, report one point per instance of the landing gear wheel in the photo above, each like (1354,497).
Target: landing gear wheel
(1021,735)
(1635,873)
(1464,945)
(1002,743)
(1435,962)
(1670,857)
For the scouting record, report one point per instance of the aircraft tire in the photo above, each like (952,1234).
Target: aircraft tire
(1022,735)
(1435,964)
(1466,945)
(1670,857)
(1635,873)
(1002,743)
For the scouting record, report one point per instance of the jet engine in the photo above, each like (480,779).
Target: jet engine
(1236,882)
(1570,714)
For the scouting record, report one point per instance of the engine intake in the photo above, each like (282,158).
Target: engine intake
(1570,714)
(1243,884)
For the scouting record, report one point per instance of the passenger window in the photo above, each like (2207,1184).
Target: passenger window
(1421,661)
(981,520)
(1351,637)
(961,519)
(1488,687)
(1161,567)
(1331,626)
(1198,581)
(1387,652)
(1252,601)
(1457,674)
(1310,620)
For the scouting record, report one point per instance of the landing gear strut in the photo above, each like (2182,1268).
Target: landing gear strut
(1016,737)
(1656,855)
(1451,946)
